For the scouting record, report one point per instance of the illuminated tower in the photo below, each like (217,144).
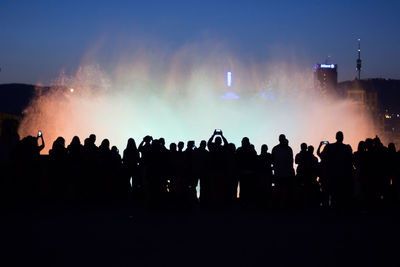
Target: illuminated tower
(229,79)
(326,77)
(358,68)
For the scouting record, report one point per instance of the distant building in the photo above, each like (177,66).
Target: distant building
(361,93)
(326,77)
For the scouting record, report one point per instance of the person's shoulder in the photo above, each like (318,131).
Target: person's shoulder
(329,146)
(348,147)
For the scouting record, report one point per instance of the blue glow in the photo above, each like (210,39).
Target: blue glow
(230,95)
(316,66)
(263,95)
(229,79)
(271,96)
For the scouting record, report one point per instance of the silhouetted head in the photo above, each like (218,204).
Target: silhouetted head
(114,150)
(75,141)
(282,139)
(59,143)
(147,138)
(172,147)
(190,144)
(162,141)
(303,147)
(377,142)
(92,138)
(29,145)
(369,143)
(180,146)
(245,142)
(86,142)
(361,146)
(310,149)
(264,149)
(339,137)
(203,144)
(105,144)
(131,144)
(218,140)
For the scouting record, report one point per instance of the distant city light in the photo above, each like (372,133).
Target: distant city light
(263,95)
(327,66)
(271,96)
(230,95)
(229,78)
(71,90)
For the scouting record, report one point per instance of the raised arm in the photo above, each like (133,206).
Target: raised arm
(209,143)
(224,139)
(40,148)
(319,152)
(142,143)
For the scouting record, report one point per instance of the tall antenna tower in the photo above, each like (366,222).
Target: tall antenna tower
(359,59)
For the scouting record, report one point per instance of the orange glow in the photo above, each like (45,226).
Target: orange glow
(179,99)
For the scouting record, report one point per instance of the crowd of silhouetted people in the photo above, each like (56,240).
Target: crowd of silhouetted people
(216,174)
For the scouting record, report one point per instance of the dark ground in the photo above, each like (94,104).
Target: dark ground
(124,237)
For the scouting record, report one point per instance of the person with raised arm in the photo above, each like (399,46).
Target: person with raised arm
(218,169)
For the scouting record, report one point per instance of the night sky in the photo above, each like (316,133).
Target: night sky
(41,38)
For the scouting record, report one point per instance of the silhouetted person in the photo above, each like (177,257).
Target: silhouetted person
(145,159)
(282,156)
(315,177)
(217,148)
(201,166)
(264,177)
(246,160)
(172,166)
(232,173)
(90,171)
(190,180)
(92,139)
(117,181)
(103,172)
(359,161)
(76,168)
(26,177)
(373,173)
(130,161)
(337,161)
(306,176)
(58,156)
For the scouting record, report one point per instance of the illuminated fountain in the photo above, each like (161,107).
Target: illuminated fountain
(186,97)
